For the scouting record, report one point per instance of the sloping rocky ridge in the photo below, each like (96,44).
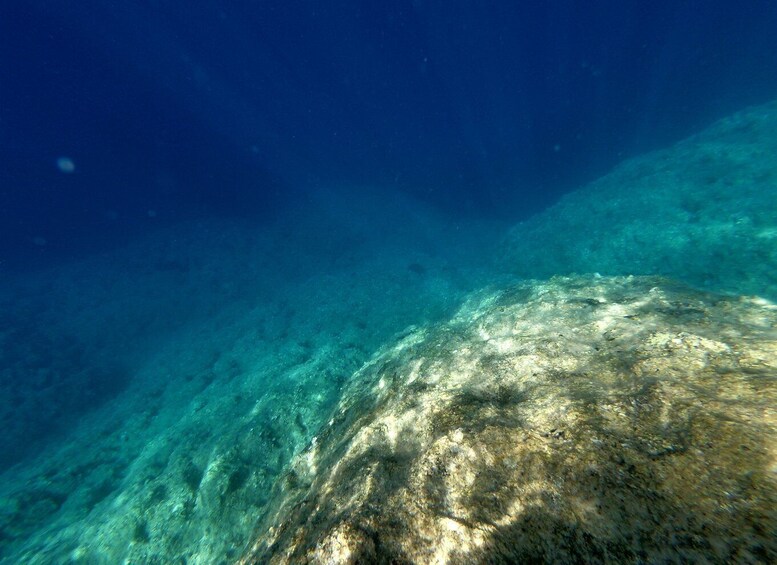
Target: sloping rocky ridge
(575,420)
(703,211)
(233,341)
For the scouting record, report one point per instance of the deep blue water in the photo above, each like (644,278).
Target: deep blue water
(169,109)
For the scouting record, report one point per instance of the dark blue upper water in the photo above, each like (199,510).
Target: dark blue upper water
(164,109)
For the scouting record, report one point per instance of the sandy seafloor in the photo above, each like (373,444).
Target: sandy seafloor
(203,357)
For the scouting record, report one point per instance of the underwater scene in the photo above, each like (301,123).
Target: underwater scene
(409,282)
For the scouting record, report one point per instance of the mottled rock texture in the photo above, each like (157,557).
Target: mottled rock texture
(703,211)
(576,420)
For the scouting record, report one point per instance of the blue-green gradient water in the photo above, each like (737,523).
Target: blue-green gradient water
(213,212)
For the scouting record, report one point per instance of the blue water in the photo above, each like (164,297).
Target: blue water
(208,200)
(239,108)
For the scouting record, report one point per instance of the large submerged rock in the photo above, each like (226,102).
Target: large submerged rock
(575,420)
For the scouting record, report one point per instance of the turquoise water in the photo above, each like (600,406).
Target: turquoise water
(213,351)
(216,217)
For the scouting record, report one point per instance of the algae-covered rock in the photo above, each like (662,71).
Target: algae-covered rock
(703,211)
(576,420)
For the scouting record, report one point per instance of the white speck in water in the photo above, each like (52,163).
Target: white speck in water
(66,165)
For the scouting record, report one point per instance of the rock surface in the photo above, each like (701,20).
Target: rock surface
(575,420)
(703,211)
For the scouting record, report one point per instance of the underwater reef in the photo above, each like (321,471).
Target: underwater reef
(597,384)
(703,211)
(575,420)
